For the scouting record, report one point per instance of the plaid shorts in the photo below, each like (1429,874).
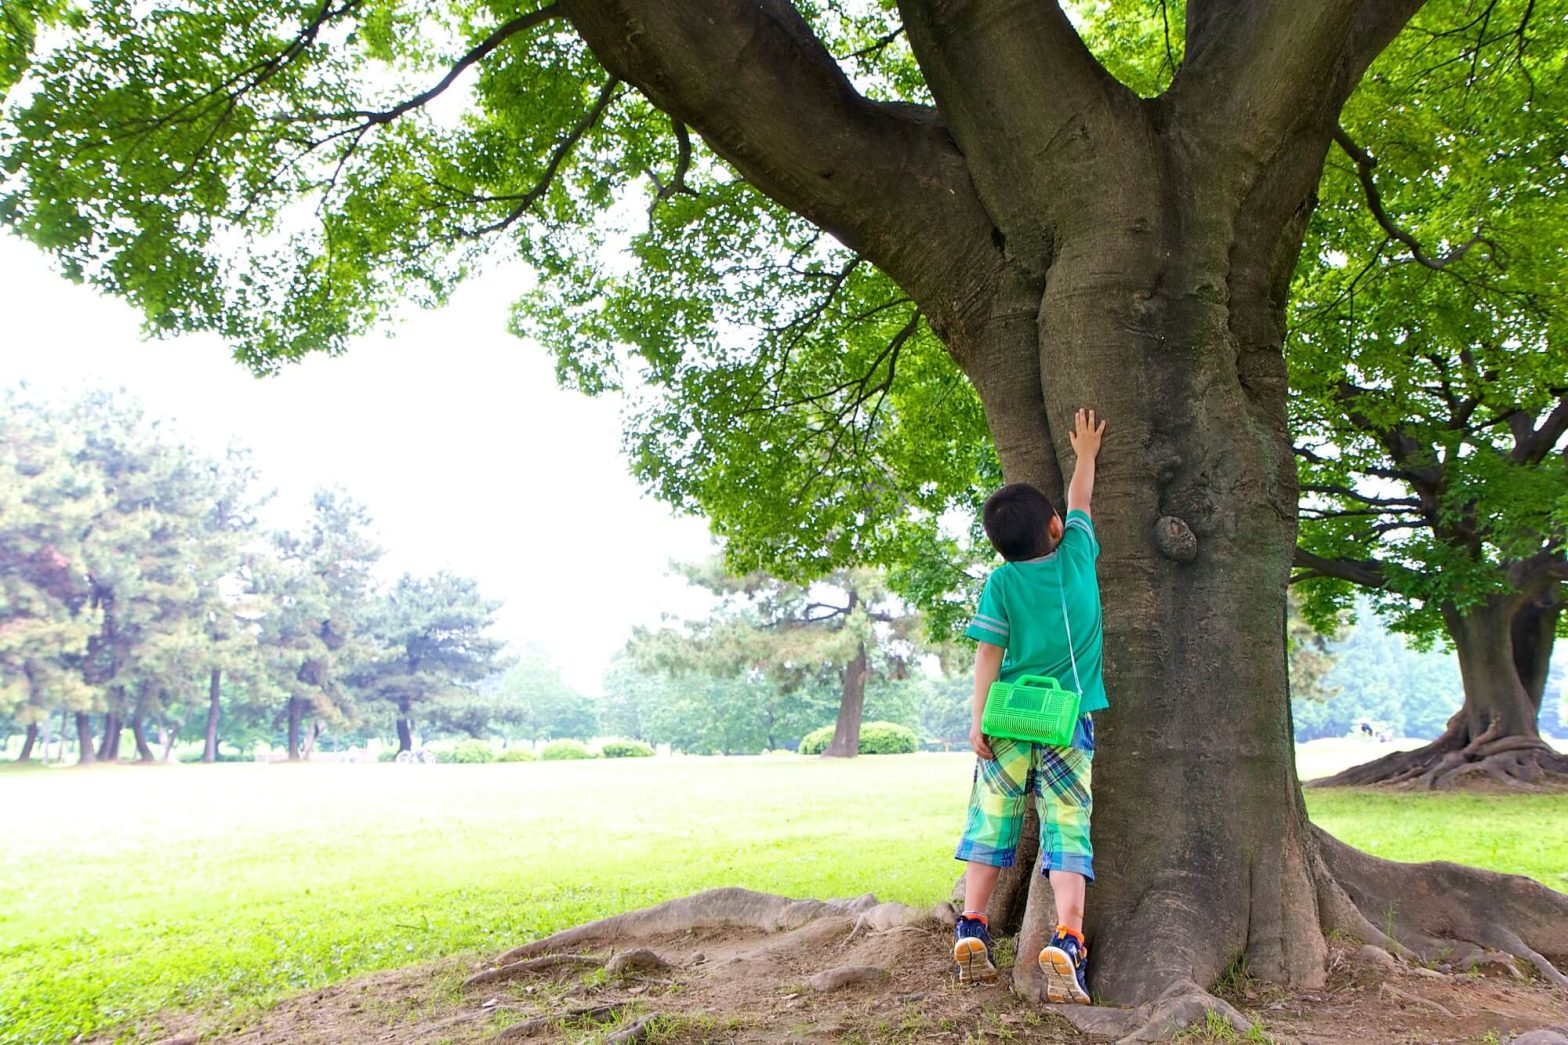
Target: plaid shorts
(1058,778)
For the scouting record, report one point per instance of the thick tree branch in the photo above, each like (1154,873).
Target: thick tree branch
(1539,574)
(1368,573)
(763,92)
(1532,444)
(1268,69)
(1377,23)
(1029,105)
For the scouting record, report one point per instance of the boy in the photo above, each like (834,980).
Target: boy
(1039,615)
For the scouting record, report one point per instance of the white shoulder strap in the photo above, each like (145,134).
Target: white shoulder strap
(1072,655)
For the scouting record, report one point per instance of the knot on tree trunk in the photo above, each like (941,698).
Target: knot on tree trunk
(1175,539)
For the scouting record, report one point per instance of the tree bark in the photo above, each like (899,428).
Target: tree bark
(209,751)
(109,747)
(27,744)
(310,738)
(84,740)
(851,704)
(139,731)
(139,735)
(1504,645)
(296,710)
(405,728)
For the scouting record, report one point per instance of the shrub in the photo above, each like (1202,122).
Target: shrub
(887,738)
(625,749)
(816,742)
(876,738)
(557,750)
(516,754)
(388,755)
(469,752)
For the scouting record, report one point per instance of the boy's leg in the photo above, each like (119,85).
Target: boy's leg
(1066,855)
(1069,888)
(979,884)
(990,843)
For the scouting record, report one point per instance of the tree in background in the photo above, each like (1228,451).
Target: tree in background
(316,588)
(1369,674)
(432,647)
(540,705)
(1430,364)
(143,557)
(786,637)
(232,614)
(985,222)
(45,505)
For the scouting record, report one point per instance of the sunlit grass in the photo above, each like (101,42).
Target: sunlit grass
(124,891)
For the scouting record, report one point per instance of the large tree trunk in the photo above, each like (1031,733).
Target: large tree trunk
(209,752)
(1202,848)
(27,744)
(405,727)
(84,739)
(852,702)
(109,747)
(296,710)
(1505,647)
(139,731)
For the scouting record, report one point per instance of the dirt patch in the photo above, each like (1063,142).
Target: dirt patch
(755,975)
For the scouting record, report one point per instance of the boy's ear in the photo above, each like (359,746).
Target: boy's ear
(1056,528)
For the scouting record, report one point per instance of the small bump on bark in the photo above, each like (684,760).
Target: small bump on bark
(1175,539)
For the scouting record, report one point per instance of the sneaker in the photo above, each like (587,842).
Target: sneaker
(1062,962)
(972,951)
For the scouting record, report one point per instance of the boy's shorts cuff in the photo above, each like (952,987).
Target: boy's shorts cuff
(1083,865)
(971,852)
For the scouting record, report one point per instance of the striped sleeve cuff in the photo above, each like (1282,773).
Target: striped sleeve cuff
(988,629)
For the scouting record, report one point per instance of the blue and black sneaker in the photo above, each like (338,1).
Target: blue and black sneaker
(1062,963)
(972,951)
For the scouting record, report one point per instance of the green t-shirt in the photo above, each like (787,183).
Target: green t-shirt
(1022,606)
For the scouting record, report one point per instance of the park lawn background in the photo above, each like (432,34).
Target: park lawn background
(127,890)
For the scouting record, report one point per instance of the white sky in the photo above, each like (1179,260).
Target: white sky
(452,432)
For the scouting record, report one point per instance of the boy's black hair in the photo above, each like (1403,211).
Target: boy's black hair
(1015,518)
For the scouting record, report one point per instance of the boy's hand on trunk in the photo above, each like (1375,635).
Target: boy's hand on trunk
(1086,434)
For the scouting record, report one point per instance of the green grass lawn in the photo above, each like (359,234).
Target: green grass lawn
(125,890)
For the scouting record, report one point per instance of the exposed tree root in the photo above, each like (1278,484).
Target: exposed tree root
(512,970)
(1441,911)
(1182,1005)
(1434,912)
(528,1028)
(1511,762)
(729,908)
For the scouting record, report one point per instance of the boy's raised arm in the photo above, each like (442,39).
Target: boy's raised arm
(1085,438)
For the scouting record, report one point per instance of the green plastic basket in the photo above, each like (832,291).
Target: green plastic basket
(1034,708)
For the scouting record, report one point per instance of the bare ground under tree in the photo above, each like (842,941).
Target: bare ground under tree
(737,966)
